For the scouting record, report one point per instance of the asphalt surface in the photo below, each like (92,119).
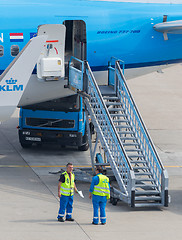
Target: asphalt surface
(28,192)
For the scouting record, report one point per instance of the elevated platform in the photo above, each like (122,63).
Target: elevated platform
(107,90)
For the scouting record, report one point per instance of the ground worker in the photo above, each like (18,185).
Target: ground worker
(100,189)
(66,189)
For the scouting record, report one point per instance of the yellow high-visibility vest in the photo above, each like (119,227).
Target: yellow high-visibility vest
(102,189)
(67,188)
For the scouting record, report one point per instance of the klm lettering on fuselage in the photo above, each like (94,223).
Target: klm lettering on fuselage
(11,86)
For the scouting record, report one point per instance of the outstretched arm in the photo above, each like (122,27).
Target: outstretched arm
(90,195)
(59,187)
(76,190)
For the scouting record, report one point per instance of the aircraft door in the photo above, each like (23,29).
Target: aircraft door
(50,65)
(79,40)
(75,39)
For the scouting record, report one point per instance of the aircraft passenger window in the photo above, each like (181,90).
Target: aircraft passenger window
(14,50)
(1,51)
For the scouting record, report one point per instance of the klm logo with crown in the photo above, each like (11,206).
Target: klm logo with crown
(11,86)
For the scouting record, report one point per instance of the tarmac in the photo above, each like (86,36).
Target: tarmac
(28,192)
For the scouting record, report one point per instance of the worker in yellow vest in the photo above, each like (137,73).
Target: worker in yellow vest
(66,189)
(99,193)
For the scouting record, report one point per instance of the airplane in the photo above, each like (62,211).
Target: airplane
(142,33)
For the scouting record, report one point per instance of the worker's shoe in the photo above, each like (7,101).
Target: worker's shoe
(103,223)
(61,219)
(94,223)
(69,219)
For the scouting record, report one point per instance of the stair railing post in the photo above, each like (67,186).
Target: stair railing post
(116,81)
(131,188)
(85,77)
(164,185)
(109,65)
(90,141)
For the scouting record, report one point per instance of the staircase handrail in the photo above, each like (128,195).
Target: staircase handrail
(142,125)
(107,112)
(125,163)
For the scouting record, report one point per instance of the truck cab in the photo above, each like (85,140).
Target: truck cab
(60,121)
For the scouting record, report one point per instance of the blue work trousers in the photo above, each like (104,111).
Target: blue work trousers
(99,202)
(66,204)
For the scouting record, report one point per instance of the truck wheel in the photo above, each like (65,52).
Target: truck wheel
(114,201)
(111,200)
(26,145)
(83,147)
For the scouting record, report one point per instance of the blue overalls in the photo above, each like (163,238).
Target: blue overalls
(66,204)
(98,202)
(66,199)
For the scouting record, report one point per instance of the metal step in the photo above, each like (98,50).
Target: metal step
(120,120)
(147,193)
(140,167)
(110,98)
(115,109)
(113,103)
(117,115)
(145,180)
(122,126)
(131,144)
(143,174)
(138,161)
(127,138)
(145,185)
(126,132)
(148,198)
(133,150)
(148,205)
(136,156)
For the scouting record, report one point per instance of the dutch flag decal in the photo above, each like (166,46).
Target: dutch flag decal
(16,37)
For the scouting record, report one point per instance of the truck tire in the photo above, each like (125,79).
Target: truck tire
(111,200)
(114,201)
(83,147)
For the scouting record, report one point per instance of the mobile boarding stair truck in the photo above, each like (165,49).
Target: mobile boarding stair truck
(141,177)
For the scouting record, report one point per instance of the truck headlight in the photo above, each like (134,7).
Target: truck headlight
(72,135)
(26,133)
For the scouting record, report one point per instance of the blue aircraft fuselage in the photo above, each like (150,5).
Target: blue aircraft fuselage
(122,30)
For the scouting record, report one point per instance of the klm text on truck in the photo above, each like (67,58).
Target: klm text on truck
(60,121)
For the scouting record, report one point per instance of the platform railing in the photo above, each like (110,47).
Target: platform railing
(76,71)
(111,70)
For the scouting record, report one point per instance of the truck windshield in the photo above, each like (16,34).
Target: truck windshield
(65,104)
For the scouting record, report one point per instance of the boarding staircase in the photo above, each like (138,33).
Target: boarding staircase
(129,150)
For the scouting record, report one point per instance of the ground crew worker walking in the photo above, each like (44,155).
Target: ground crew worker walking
(66,188)
(100,189)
